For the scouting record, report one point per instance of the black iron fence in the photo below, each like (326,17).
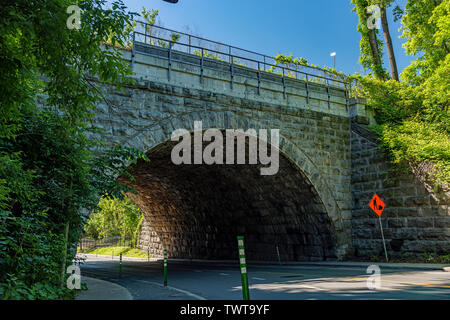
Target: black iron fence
(87,244)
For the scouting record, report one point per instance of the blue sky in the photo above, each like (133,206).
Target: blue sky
(306,28)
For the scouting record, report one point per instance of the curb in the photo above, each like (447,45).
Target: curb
(102,290)
(334,264)
(190,294)
(410,266)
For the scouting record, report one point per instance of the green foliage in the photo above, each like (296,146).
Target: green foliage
(296,64)
(93,226)
(288,62)
(114,217)
(445,258)
(169,43)
(412,121)
(419,142)
(393,101)
(426,26)
(149,17)
(397,13)
(50,171)
(433,257)
(413,115)
(116,251)
(206,54)
(137,230)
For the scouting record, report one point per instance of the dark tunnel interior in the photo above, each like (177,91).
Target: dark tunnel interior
(196,211)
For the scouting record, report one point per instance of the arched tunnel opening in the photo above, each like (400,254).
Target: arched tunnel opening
(197,211)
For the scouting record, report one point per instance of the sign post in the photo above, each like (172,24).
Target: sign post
(243,265)
(377,205)
(382,235)
(278,255)
(165,268)
(120,266)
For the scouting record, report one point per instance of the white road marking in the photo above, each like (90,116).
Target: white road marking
(193,295)
(282,286)
(258,278)
(223,274)
(310,287)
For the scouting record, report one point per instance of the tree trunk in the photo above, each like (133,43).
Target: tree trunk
(63,264)
(374,50)
(388,40)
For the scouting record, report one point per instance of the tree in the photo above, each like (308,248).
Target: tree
(50,172)
(150,20)
(114,217)
(383,4)
(370,46)
(149,17)
(413,115)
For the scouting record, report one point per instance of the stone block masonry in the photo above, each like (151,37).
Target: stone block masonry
(416,220)
(313,209)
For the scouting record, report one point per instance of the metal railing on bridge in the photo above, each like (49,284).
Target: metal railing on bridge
(147,35)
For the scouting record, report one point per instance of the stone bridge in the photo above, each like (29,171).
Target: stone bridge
(305,212)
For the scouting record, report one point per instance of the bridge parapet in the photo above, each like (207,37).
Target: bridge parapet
(152,64)
(145,33)
(156,58)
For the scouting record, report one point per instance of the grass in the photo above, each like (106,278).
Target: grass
(116,251)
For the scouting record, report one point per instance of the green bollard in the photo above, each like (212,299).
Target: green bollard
(165,268)
(120,266)
(278,254)
(243,265)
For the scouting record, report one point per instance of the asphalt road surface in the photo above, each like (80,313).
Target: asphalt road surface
(205,280)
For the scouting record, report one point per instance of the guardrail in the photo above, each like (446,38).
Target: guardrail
(206,50)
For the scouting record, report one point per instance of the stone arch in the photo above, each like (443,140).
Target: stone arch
(159,133)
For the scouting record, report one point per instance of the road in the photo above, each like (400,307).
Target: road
(205,280)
